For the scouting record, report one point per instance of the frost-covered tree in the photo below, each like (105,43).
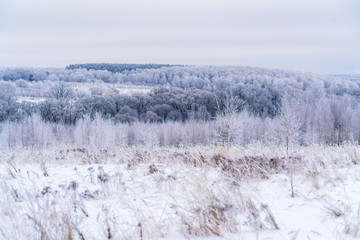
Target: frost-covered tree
(162,110)
(60,91)
(289,128)
(151,117)
(227,129)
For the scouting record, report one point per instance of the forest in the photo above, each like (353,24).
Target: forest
(114,68)
(324,109)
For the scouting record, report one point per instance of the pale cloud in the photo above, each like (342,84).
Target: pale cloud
(318,35)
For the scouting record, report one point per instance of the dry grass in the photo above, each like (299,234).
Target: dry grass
(148,193)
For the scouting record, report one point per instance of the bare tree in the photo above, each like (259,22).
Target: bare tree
(60,91)
(290,128)
(225,131)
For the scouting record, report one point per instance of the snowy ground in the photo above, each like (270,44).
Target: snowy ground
(36,92)
(109,87)
(180,193)
(31,99)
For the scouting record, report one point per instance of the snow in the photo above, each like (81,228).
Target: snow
(109,87)
(30,99)
(159,193)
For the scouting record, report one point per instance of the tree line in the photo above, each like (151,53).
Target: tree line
(116,67)
(326,108)
(210,78)
(159,105)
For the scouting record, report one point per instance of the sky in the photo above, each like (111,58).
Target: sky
(321,36)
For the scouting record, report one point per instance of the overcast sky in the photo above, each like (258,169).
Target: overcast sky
(321,36)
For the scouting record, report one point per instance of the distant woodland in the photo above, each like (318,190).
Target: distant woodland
(324,109)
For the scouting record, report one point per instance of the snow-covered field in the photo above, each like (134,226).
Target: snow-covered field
(108,88)
(180,193)
(31,99)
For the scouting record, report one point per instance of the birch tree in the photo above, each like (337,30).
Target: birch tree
(290,131)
